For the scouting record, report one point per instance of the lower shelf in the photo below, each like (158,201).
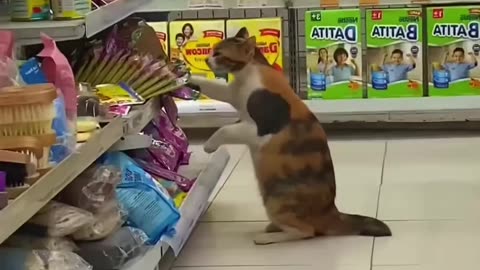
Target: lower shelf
(193,207)
(425,109)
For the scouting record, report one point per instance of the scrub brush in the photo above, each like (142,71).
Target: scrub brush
(26,116)
(27,110)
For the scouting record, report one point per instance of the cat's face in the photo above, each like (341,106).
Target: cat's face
(232,54)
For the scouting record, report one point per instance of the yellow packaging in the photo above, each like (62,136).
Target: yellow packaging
(161,29)
(70,9)
(268,32)
(192,41)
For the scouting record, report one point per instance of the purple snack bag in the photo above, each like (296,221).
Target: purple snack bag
(170,108)
(170,132)
(183,183)
(165,154)
(185,93)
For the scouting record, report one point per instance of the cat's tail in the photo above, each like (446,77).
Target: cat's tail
(348,224)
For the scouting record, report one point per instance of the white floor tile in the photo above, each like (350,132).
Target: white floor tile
(439,201)
(231,243)
(432,160)
(358,162)
(430,245)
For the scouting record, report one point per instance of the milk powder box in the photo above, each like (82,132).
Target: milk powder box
(334,54)
(268,33)
(394,52)
(161,29)
(453,50)
(193,41)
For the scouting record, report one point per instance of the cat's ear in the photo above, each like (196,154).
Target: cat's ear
(250,45)
(251,42)
(242,33)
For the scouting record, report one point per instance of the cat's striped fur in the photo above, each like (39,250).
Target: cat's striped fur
(289,147)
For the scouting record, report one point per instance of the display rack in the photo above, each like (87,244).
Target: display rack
(28,33)
(33,199)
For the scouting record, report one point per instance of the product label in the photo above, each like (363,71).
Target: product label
(334,59)
(394,49)
(268,33)
(453,51)
(193,42)
(161,29)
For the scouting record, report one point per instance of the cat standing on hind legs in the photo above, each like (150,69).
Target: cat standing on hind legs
(289,148)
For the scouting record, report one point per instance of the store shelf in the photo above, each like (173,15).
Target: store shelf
(28,33)
(33,199)
(415,110)
(191,210)
(182,5)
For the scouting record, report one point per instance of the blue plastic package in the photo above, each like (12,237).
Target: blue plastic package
(62,148)
(32,73)
(148,207)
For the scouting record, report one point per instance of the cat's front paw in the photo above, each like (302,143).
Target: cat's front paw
(209,147)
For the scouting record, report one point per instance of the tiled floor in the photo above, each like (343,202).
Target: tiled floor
(427,189)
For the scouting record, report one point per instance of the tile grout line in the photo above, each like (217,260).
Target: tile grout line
(378,199)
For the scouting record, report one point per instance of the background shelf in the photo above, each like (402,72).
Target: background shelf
(28,33)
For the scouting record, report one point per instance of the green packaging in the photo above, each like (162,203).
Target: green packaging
(394,52)
(334,54)
(453,51)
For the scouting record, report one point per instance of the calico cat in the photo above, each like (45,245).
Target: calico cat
(288,145)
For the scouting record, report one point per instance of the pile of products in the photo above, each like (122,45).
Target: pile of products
(39,10)
(125,201)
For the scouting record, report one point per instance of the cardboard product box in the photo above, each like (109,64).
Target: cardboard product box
(334,54)
(394,53)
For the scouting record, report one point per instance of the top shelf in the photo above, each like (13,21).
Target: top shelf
(28,33)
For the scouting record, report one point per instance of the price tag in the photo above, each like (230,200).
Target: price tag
(369,2)
(329,3)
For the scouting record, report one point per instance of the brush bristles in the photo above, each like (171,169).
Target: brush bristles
(27,120)
(40,163)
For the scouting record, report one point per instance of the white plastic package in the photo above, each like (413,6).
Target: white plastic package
(61,219)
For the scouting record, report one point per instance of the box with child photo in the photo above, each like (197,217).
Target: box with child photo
(394,53)
(334,56)
(453,51)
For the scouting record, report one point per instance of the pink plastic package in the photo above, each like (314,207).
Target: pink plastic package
(58,71)
(8,69)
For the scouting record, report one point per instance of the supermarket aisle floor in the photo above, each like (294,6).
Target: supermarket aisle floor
(427,189)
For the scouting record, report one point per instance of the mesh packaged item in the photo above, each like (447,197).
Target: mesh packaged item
(107,220)
(61,219)
(26,241)
(92,189)
(23,259)
(114,251)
